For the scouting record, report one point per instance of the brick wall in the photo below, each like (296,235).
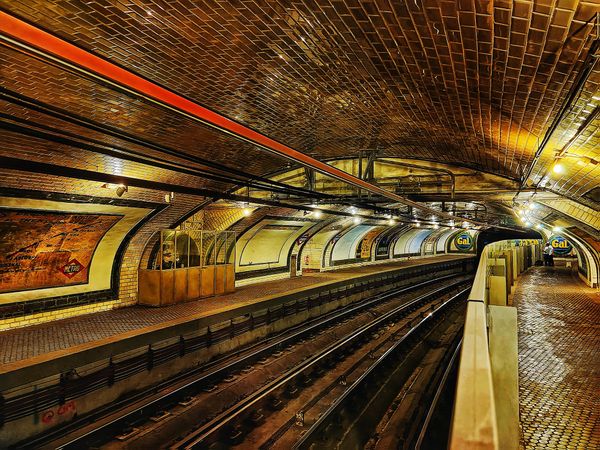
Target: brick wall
(217,216)
(25,313)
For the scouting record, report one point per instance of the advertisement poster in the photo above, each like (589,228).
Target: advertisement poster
(40,249)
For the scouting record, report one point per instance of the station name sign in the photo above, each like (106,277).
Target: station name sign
(463,241)
(560,245)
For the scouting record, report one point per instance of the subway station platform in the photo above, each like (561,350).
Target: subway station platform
(559,360)
(43,345)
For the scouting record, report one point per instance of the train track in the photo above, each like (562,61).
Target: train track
(426,430)
(232,426)
(406,372)
(405,424)
(114,419)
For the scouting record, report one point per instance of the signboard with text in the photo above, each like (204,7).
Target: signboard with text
(560,245)
(463,241)
(41,249)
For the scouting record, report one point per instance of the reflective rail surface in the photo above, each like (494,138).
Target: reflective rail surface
(212,431)
(438,394)
(210,373)
(354,395)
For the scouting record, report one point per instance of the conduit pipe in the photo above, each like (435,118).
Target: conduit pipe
(426,168)
(20,34)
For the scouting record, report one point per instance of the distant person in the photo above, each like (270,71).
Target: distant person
(547,254)
(551,255)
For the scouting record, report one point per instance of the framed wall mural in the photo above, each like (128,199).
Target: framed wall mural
(41,249)
(64,247)
(367,243)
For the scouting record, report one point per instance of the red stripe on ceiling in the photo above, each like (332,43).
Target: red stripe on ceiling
(42,40)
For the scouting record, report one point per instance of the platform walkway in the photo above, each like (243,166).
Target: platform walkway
(559,360)
(60,336)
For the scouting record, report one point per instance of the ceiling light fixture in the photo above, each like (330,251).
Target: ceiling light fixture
(120,189)
(356,220)
(317,213)
(75,57)
(558,168)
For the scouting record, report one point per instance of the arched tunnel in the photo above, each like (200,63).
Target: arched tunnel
(384,196)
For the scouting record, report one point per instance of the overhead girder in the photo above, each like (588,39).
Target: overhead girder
(20,34)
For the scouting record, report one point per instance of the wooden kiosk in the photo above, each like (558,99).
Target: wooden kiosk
(188,265)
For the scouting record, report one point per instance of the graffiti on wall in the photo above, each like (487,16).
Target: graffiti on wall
(41,249)
(59,413)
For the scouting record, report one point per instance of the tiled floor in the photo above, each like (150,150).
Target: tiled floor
(24,343)
(559,360)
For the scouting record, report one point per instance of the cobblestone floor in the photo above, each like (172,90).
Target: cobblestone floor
(27,342)
(559,360)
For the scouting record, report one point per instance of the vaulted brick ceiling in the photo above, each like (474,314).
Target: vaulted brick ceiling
(475,83)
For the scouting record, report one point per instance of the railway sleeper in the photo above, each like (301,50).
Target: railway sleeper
(292,388)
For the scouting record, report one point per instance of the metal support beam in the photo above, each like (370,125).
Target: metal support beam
(426,168)
(310,178)
(16,33)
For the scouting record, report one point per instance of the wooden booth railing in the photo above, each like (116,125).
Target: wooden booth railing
(188,265)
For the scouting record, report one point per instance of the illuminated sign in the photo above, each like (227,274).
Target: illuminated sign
(463,241)
(560,245)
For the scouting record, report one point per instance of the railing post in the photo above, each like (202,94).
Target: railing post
(111,372)
(181,346)
(2,406)
(150,362)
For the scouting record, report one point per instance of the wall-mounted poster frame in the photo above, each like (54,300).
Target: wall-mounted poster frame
(89,261)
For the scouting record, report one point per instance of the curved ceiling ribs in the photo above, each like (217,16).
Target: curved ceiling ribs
(188,98)
(35,40)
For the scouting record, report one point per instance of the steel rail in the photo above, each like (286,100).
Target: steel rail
(335,409)
(17,33)
(210,431)
(437,396)
(212,372)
